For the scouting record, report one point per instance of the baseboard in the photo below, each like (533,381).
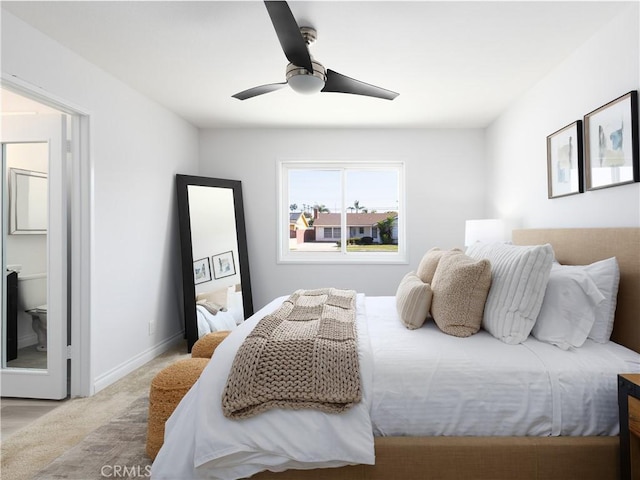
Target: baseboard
(134,363)
(27,340)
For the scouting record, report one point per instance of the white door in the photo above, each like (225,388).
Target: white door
(47,380)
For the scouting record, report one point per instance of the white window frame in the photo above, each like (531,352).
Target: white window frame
(285,255)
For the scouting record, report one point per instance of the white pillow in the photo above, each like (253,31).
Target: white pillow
(606,275)
(413,299)
(235,304)
(519,276)
(568,311)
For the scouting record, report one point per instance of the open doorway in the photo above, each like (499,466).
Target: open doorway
(42,244)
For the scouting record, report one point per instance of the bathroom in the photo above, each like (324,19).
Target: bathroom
(26,182)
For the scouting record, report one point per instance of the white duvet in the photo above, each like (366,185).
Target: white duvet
(201,443)
(427,383)
(415,382)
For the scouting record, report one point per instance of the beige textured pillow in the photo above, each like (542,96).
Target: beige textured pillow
(460,287)
(413,299)
(429,263)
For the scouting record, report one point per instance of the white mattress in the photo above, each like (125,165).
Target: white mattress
(428,383)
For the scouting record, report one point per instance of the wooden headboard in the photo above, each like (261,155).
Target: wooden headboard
(582,246)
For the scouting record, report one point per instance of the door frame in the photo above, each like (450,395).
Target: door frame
(80,242)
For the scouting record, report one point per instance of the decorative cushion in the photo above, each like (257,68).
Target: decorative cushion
(167,389)
(429,263)
(413,299)
(207,344)
(519,276)
(460,286)
(569,308)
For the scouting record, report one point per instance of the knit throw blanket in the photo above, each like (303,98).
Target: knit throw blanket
(304,355)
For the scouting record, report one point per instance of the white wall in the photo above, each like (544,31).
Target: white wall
(444,175)
(604,68)
(136,147)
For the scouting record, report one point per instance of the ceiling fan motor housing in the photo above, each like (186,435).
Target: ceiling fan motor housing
(303,81)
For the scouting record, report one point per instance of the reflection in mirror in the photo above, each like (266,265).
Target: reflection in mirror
(215,266)
(24,333)
(28,202)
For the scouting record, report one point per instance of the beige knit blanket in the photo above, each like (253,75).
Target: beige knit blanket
(304,355)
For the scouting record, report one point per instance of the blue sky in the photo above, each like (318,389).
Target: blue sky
(375,189)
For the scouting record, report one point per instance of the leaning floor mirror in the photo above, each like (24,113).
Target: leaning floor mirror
(215,263)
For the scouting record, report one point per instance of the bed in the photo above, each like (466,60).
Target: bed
(219,310)
(537,447)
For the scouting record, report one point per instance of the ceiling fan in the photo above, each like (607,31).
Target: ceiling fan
(304,74)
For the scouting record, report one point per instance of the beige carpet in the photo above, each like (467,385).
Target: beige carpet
(35,446)
(114,450)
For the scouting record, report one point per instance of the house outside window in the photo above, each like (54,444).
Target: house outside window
(354,210)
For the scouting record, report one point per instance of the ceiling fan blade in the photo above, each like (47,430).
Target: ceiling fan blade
(262,89)
(338,83)
(293,45)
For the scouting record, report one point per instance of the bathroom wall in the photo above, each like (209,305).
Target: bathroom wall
(27,253)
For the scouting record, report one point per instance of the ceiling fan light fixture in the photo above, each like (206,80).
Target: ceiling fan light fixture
(305,82)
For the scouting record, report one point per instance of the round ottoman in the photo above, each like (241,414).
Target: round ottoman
(167,389)
(207,344)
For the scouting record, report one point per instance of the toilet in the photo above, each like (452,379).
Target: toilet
(32,299)
(39,325)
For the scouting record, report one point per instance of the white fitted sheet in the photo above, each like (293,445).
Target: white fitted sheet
(427,383)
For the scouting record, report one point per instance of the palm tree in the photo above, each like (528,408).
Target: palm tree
(293,207)
(357,207)
(321,208)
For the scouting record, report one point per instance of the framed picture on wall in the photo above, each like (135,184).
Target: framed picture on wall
(611,143)
(565,161)
(201,271)
(223,265)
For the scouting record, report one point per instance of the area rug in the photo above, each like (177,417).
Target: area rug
(114,450)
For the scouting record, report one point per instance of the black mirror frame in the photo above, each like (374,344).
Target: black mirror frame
(186,248)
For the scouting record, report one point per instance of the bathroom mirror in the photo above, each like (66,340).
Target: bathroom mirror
(28,202)
(215,263)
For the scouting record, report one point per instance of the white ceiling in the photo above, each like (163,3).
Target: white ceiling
(455,64)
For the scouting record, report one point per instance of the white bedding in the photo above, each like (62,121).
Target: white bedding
(201,443)
(415,382)
(427,383)
(207,322)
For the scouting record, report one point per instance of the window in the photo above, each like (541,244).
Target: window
(355,212)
